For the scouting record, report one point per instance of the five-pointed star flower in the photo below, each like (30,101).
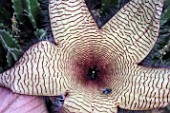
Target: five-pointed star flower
(87,60)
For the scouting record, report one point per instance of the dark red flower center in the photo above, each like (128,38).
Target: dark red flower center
(93,70)
(93,73)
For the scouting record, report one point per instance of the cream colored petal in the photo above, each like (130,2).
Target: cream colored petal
(84,103)
(145,88)
(38,72)
(134,29)
(70,19)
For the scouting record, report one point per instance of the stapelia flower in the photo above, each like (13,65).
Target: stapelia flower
(96,68)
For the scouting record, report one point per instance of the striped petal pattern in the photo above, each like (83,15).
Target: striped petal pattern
(145,88)
(114,50)
(133,31)
(35,73)
(69,19)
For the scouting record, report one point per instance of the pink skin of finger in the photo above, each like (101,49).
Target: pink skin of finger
(15,103)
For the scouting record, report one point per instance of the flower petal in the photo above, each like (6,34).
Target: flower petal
(69,19)
(83,103)
(133,31)
(37,72)
(145,88)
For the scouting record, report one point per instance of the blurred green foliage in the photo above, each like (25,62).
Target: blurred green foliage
(10,46)
(160,56)
(22,22)
(29,9)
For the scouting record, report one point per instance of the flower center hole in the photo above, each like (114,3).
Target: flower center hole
(93,73)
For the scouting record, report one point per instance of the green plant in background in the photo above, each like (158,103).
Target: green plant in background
(165,30)
(160,55)
(29,11)
(161,51)
(11,47)
(20,24)
(28,8)
(21,21)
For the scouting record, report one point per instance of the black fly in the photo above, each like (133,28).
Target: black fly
(106,91)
